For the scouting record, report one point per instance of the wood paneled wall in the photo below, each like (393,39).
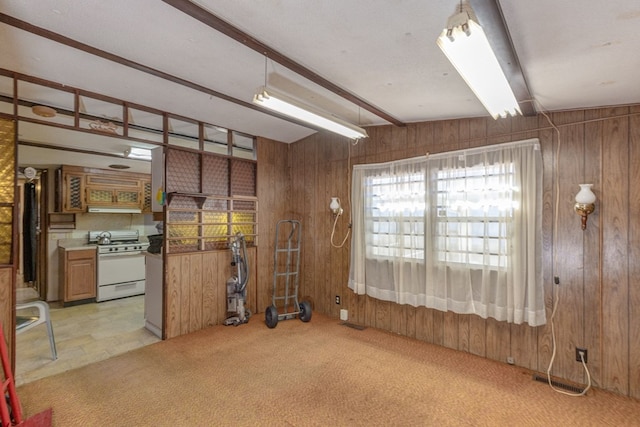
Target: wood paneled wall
(7,308)
(274,196)
(195,291)
(598,268)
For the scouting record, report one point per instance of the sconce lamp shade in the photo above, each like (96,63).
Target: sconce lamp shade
(585,195)
(585,203)
(286,105)
(335,206)
(467,48)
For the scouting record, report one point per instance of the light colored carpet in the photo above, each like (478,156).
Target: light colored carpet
(310,374)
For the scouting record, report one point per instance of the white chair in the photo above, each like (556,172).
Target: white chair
(26,322)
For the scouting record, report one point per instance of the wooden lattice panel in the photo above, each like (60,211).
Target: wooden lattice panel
(75,192)
(131,197)
(100,196)
(243,178)
(147,197)
(215,175)
(183,171)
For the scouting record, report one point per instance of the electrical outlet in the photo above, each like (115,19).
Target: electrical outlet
(338,299)
(583,351)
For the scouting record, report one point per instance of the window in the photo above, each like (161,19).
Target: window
(474,208)
(455,231)
(388,236)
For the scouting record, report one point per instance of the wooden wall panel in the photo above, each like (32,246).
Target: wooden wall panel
(223,260)
(634,254)
(568,263)
(450,325)
(185,293)
(594,142)
(209,289)
(614,205)
(596,266)
(252,284)
(523,339)
(274,198)
(173,293)
(7,307)
(548,146)
(196,293)
(197,289)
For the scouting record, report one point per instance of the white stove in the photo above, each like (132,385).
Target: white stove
(121,264)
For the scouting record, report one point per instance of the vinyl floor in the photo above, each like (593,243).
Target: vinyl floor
(84,334)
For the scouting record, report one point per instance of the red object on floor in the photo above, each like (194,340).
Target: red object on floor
(13,417)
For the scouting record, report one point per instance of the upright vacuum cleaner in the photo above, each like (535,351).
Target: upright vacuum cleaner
(237,283)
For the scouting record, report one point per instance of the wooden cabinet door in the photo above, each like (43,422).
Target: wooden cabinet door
(100,196)
(146,196)
(73,193)
(128,198)
(80,275)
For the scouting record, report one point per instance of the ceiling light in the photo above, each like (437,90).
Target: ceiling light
(138,153)
(284,104)
(43,111)
(466,45)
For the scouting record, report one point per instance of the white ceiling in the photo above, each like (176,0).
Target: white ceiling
(573,54)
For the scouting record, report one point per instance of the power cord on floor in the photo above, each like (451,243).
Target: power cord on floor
(556,299)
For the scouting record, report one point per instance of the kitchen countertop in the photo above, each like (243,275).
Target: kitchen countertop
(76,244)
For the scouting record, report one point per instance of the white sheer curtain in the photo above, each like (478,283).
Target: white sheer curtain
(458,231)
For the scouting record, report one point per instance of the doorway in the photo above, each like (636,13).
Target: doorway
(31,276)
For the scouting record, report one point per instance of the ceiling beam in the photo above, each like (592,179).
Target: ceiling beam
(59,38)
(240,36)
(492,21)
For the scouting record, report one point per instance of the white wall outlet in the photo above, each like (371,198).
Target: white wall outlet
(344,315)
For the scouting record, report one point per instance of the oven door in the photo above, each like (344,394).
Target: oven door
(120,268)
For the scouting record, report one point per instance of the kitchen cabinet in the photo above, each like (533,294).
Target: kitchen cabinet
(72,192)
(97,196)
(77,275)
(79,188)
(146,196)
(121,191)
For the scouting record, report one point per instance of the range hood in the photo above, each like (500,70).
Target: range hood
(113,209)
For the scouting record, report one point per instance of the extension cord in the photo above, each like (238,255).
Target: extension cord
(553,354)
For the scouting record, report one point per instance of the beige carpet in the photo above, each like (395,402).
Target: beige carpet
(310,374)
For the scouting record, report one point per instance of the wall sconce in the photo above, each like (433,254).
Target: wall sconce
(335,206)
(585,200)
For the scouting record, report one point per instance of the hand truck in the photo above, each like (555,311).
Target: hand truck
(286,273)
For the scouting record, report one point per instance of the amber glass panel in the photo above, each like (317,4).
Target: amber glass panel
(6,215)
(244,223)
(7,188)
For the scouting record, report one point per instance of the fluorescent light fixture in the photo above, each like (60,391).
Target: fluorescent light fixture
(286,105)
(466,45)
(138,153)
